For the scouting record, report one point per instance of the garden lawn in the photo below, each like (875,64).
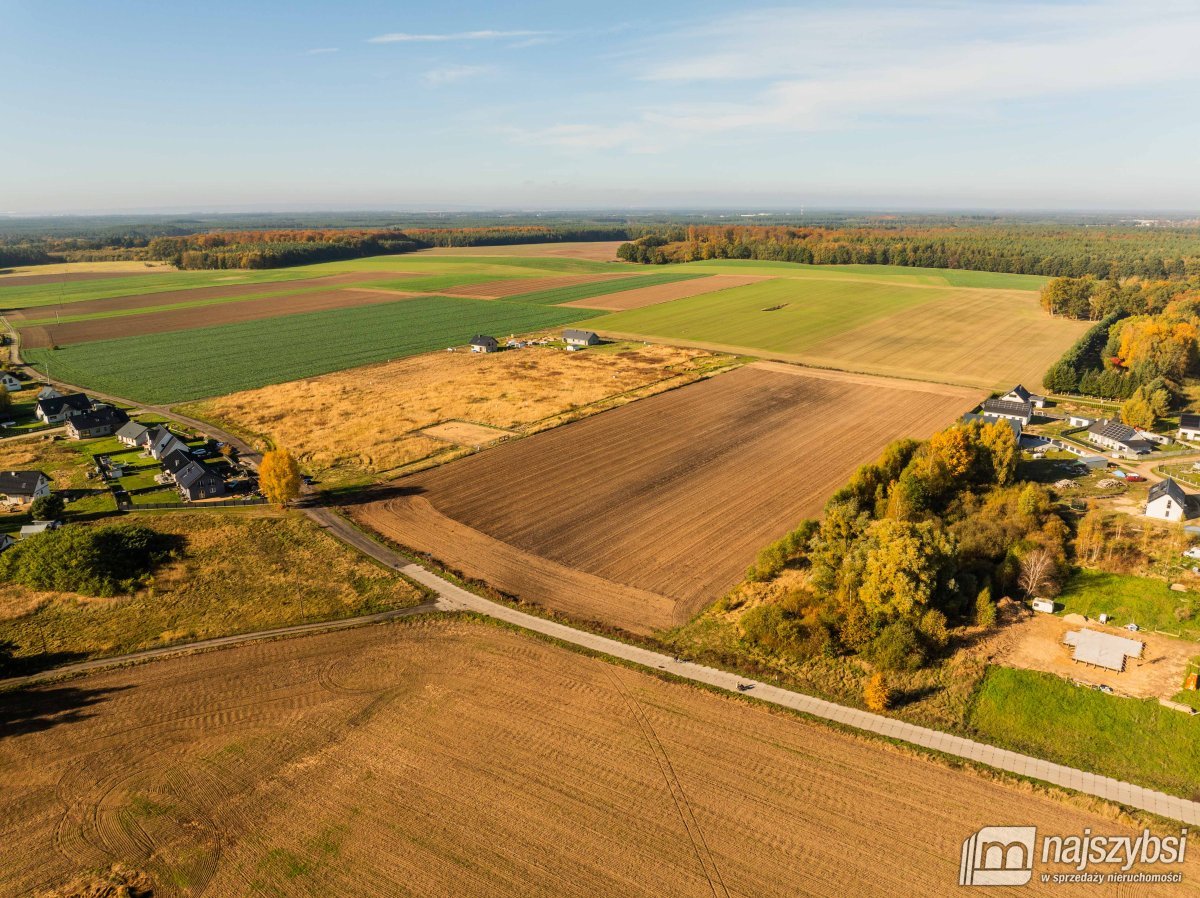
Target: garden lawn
(1140,600)
(1137,740)
(212,361)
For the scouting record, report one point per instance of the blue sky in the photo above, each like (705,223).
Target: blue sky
(141,105)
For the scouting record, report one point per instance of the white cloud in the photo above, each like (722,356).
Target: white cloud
(406,37)
(452,74)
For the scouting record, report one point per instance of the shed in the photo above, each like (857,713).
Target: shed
(484,343)
(1045,606)
(1102,649)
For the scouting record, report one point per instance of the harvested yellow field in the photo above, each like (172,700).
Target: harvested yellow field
(372,419)
(465,434)
(443,757)
(58,269)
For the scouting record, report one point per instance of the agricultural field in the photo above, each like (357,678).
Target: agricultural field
(980,337)
(666,291)
(599,251)
(212,361)
(278,768)
(639,517)
(371,420)
(238,571)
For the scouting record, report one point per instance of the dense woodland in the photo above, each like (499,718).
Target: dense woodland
(1055,250)
(919,541)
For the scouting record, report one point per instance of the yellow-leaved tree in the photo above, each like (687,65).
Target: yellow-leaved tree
(279,477)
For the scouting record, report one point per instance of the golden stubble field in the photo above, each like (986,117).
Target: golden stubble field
(447,757)
(369,420)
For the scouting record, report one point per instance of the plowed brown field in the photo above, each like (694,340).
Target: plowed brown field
(671,496)
(437,757)
(652,296)
(190,317)
(516,286)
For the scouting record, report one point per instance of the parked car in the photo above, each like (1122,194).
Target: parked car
(1134,478)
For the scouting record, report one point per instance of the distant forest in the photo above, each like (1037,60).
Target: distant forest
(1112,251)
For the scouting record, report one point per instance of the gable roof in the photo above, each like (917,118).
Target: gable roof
(1114,430)
(1007,407)
(54,405)
(104,416)
(20,483)
(1020,392)
(192,473)
(1170,489)
(177,459)
(132,430)
(573,334)
(1189,421)
(483,340)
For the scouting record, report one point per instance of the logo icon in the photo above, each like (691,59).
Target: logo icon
(998,856)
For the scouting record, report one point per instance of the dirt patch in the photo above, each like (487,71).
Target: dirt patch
(188,318)
(1036,643)
(675,494)
(603,251)
(650,296)
(443,757)
(517,286)
(464,433)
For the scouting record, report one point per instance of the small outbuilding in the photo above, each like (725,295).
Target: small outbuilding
(1102,649)
(1043,606)
(38,527)
(580,338)
(1189,427)
(10,383)
(484,343)
(1080,421)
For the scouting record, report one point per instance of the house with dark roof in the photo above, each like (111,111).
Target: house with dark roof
(1117,437)
(574,337)
(176,460)
(197,480)
(10,382)
(101,422)
(1167,501)
(1016,426)
(56,409)
(484,343)
(160,442)
(1020,394)
(1008,409)
(21,487)
(1189,426)
(131,433)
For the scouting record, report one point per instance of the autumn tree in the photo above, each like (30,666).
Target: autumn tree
(985,608)
(903,567)
(279,477)
(1038,573)
(877,694)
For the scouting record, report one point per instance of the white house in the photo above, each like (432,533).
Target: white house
(1161,438)
(21,487)
(132,433)
(1167,501)
(10,383)
(484,343)
(1189,427)
(56,409)
(1117,437)
(1007,409)
(1080,421)
(1020,394)
(574,337)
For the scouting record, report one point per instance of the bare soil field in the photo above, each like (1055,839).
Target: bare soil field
(1036,643)
(30,275)
(517,286)
(198,294)
(249,309)
(673,495)
(602,251)
(649,296)
(465,433)
(369,420)
(445,757)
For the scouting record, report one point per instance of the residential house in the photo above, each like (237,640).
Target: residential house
(1167,501)
(176,460)
(56,409)
(1117,437)
(39,527)
(22,487)
(1017,429)
(197,480)
(132,433)
(1189,427)
(1007,409)
(1020,394)
(160,442)
(580,338)
(48,392)
(102,422)
(484,343)
(10,383)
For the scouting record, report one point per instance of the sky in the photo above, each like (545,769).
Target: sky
(141,105)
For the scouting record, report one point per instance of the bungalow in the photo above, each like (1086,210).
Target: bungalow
(970,417)
(1020,394)
(1167,501)
(198,481)
(1007,409)
(10,383)
(102,422)
(38,527)
(1189,427)
(1117,437)
(580,338)
(484,343)
(20,487)
(56,409)
(132,433)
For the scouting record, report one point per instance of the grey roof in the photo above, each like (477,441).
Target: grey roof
(55,404)
(1016,426)
(573,334)
(132,430)
(177,459)
(1168,488)
(483,340)
(20,483)
(1189,422)
(1005,407)
(1102,649)
(1022,394)
(105,416)
(192,473)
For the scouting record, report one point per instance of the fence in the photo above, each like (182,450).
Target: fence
(224,503)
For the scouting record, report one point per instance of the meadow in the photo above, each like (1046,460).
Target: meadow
(898,274)
(211,361)
(1145,601)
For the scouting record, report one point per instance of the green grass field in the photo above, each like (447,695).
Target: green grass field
(1130,739)
(40,295)
(899,274)
(602,288)
(1140,600)
(212,361)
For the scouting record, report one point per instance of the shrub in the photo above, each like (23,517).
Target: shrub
(877,694)
(897,647)
(98,561)
(985,608)
(48,508)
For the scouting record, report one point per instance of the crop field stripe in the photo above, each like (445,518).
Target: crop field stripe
(106,288)
(602,288)
(900,274)
(211,361)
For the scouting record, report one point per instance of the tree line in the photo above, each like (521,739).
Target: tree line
(1054,250)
